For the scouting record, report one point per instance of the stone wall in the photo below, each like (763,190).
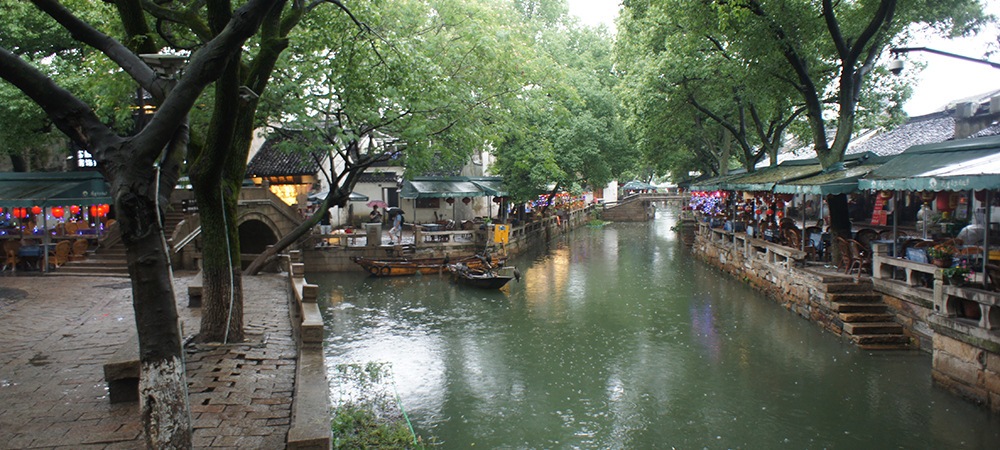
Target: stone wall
(797,289)
(967,370)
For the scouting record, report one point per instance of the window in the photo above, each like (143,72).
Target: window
(433,203)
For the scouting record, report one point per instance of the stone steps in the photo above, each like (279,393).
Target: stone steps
(859,307)
(110,262)
(873,328)
(866,319)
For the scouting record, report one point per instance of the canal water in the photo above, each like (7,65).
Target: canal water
(616,337)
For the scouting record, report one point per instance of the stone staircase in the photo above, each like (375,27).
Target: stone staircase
(866,320)
(104,262)
(111,260)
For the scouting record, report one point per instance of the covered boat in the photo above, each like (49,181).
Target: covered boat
(486,278)
(391,267)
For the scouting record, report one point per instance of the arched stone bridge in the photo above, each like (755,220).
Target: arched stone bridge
(262,220)
(637,207)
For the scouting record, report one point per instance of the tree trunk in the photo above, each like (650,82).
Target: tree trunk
(222,305)
(840,222)
(163,383)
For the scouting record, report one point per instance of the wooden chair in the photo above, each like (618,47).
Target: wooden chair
(993,276)
(861,257)
(866,235)
(844,248)
(61,254)
(10,249)
(886,235)
(71,227)
(79,250)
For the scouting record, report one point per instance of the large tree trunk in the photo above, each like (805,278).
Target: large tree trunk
(163,383)
(222,308)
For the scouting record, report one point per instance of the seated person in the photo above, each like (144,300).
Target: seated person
(972,234)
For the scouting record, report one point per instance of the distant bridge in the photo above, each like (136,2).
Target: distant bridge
(638,207)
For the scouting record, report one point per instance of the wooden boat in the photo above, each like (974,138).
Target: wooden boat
(392,267)
(482,278)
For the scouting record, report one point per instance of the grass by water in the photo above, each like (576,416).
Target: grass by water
(369,413)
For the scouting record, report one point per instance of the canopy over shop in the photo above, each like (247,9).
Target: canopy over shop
(33,199)
(420,189)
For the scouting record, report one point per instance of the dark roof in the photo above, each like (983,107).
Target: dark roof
(992,130)
(928,129)
(377,177)
(272,160)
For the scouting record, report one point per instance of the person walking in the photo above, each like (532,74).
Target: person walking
(397,228)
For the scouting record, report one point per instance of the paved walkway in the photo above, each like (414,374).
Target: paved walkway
(56,333)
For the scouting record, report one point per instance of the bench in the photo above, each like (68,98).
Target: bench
(121,372)
(194,291)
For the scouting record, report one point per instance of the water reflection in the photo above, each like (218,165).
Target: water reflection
(616,338)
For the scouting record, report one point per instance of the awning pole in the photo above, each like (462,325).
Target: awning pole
(895,224)
(45,241)
(802,207)
(986,238)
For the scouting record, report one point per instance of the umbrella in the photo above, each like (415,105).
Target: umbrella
(377,204)
(394,210)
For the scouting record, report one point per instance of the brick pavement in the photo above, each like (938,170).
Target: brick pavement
(57,332)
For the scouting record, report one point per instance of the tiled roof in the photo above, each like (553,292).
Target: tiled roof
(992,130)
(272,160)
(377,177)
(929,129)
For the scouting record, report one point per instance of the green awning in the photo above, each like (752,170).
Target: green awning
(840,180)
(966,164)
(47,189)
(492,186)
(453,187)
(765,179)
(717,183)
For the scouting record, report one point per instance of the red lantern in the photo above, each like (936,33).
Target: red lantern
(102,210)
(93,210)
(74,209)
(466,200)
(36,210)
(943,202)
(1,210)
(20,213)
(57,212)
(450,201)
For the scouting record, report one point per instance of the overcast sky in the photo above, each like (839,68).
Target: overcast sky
(944,79)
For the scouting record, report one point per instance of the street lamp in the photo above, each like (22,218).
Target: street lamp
(896,64)
(166,66)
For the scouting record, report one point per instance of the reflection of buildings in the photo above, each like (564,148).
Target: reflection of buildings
(546,281)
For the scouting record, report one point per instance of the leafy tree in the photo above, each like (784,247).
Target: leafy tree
(832,49)
(565,129)
(142,170)
(422,81)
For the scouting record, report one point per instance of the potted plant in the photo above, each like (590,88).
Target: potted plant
(956,276)
(940,255)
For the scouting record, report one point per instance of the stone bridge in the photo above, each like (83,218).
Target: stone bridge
(262,219)
(637,207)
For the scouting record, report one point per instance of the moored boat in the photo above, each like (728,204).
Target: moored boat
(482,277)
(391,267)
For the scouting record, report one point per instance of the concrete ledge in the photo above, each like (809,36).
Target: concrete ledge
(312,326)
(194,291)
(311,410)
(121,372)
